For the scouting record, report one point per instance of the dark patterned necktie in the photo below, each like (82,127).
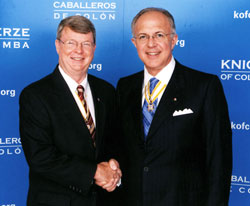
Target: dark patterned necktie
(88,119)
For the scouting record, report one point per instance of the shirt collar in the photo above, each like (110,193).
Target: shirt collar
(72,84)
(164,75)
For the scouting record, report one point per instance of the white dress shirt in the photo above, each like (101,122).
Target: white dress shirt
(164,76)
(72,84)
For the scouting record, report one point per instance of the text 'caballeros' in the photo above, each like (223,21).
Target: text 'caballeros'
(101,11)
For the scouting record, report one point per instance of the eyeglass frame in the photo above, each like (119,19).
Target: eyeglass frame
(83,44)
(154,37)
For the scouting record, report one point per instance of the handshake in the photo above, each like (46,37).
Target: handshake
(108,175)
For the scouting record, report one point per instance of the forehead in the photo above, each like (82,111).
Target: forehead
(68,33)
(152,21)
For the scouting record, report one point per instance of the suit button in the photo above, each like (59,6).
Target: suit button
(145,169)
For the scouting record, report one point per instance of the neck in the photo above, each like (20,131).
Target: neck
(78,77)
(153,71)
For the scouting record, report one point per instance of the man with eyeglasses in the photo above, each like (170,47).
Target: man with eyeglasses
(174,123)
(66,125)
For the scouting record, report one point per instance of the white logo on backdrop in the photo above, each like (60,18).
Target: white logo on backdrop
(240,184)
(241,15)
(97,67)
(8,92)
(238,70)
(180,43)
(240,126)
(15,38)
(10,146)
(98,10)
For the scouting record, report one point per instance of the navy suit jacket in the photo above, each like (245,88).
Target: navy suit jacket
(57,143)
(186,160)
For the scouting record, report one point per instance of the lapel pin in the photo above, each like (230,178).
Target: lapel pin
(175,99)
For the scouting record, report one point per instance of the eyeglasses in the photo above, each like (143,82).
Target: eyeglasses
(158,37)
(72,44)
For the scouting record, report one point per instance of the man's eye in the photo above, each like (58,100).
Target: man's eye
(159,35)
(86,44)
(142,37)
(71,43)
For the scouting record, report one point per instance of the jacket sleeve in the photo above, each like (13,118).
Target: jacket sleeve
(218,134)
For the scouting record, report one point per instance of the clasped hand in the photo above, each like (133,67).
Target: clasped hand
(108,174)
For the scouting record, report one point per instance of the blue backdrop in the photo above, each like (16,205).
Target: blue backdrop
(213,37)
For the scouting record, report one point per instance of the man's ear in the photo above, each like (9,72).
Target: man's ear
(57,44)
(174,40)
(133,41)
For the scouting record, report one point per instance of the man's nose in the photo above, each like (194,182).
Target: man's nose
(79,48)
(151,41)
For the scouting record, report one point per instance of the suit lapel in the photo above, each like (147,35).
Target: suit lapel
(169,101)
(135,102)
(100,111)
(67,101)
(68,106)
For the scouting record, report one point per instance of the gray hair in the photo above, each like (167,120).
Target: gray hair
(78,24)
(149,9)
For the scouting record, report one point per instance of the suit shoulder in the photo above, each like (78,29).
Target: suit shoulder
(39,85)
(131,78)
(196,74)
(100,82)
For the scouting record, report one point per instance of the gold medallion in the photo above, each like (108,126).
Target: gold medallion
(151,107)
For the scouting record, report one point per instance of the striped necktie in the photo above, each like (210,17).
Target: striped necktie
(88,119)
(149,106)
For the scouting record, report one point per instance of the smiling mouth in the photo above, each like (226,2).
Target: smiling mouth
(152,53)
(77,58)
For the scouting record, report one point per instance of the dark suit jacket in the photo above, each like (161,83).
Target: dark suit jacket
(187,159)
(57,143)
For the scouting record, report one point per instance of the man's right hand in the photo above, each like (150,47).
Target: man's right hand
(108,175)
